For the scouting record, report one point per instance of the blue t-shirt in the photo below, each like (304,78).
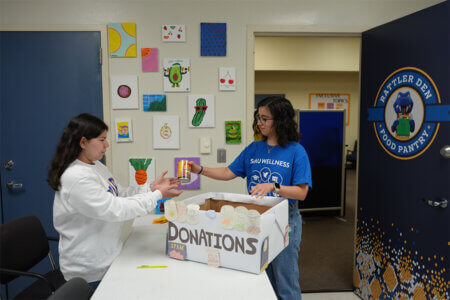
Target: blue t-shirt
(262,163)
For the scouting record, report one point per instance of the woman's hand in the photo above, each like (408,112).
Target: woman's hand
(262,189)
(160,180)
(194,167)
(167,186)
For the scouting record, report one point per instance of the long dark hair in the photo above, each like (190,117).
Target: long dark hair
(283,115)
(68,149)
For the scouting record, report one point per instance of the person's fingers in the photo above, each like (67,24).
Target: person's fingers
(163,174)
(172,186)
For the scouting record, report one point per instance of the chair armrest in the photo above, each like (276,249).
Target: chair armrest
(29,274)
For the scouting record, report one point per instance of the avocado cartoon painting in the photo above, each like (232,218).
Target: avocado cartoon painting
(201,111)
(176,75)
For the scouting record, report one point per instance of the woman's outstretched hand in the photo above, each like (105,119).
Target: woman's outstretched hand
(167,186)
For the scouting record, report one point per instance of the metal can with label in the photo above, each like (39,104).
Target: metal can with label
(184,171)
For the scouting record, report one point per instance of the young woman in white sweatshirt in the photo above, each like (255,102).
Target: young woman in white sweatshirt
(90,208)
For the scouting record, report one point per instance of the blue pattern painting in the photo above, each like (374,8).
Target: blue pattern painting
(213,39)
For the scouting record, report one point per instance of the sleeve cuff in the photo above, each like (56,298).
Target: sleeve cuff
(155,196)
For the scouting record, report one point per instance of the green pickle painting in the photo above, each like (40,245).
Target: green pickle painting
(200,111)
(233,132)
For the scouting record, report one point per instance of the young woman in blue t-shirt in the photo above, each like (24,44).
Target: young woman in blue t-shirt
(275,166)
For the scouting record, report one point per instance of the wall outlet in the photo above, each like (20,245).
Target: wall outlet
(221,155)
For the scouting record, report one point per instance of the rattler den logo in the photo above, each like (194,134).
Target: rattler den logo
(406,113)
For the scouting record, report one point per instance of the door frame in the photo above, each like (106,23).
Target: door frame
(310,31)
(105,67)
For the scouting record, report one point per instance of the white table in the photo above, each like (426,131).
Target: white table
(180,280)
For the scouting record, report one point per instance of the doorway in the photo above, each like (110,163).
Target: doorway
(326,260)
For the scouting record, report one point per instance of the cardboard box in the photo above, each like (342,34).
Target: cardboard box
(220,240)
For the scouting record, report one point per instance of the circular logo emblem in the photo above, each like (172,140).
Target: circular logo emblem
(404,113)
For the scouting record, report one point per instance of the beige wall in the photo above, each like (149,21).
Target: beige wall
(149,15)
(307,53)
(298,85)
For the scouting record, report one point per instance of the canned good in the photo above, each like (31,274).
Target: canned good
(184,171)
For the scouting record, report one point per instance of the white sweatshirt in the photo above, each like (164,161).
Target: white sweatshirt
(89,212)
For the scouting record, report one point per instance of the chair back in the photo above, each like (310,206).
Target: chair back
(23,243)
(75,289)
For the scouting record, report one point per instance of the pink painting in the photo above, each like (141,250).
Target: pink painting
(149,59)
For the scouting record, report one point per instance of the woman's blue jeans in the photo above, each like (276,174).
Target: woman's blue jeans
(283,271)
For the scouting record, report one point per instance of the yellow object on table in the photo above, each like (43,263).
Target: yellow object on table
(160,220)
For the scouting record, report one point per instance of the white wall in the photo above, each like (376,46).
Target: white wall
(150,15)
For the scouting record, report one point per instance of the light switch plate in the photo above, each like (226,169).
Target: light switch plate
(205,145)
(221,155)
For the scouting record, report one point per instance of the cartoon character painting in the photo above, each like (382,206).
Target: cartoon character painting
(200,110)
(175,74)
(404,124)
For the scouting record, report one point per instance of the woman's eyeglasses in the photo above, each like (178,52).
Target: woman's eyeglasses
(262,119)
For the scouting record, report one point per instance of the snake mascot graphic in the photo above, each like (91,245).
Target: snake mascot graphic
(404,124)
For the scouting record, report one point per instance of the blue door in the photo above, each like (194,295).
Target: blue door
(46,79)
(403,228)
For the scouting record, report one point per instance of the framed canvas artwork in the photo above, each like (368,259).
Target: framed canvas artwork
(227,79)
(201,111)
(166,132)
(141,170)
(124,92)
(194,184)
(124,130)
(213,39)
(150,60)
(177,75)
(233,132)
(154,102)
(173,33)
(122,39)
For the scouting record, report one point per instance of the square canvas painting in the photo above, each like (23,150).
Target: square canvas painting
(173,33)
(233,132)
(154,102)
(227,79)
(149,59)
(124,130)
(122,39)
(213,39)
(141,170)
(194,184)
(124,92)
(177,75)
(201,111)
(166,132)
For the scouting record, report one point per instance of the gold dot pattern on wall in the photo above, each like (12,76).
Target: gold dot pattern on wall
(390,266)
